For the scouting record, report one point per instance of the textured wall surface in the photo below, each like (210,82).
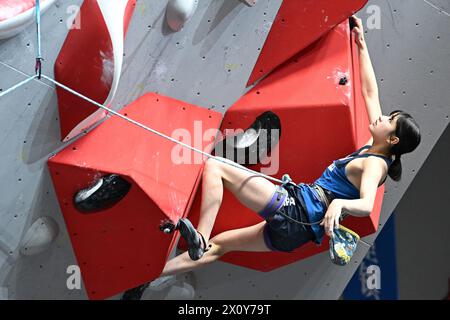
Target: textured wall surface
(208,64)
(422,225)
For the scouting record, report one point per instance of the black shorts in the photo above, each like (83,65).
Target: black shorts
(280,233)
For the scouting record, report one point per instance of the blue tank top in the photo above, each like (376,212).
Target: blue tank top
(335,180)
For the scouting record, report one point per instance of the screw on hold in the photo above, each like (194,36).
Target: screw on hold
(343,81)
(167,226)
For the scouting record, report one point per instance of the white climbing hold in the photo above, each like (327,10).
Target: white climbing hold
(178,12)
(15,16)
(39,236)
(113,13)
(247,138)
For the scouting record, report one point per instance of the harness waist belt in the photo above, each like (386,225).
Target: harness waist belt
(325,196)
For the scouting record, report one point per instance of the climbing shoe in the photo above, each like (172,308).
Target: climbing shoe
(196,242)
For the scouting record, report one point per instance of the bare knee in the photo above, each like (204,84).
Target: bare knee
(212,167)
(217,249)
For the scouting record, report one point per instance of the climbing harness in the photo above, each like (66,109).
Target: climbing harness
(288,181)
(343,241)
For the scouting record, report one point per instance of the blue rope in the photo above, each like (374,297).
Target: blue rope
(39,59)
(38,66)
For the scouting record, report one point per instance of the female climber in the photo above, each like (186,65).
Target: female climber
(348,185)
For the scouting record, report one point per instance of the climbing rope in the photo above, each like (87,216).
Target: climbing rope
(4,93)
(223,160)
(38,66)
(23,73)
(285,180)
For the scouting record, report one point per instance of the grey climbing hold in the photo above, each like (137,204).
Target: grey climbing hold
(174,287)
(181,291)
(250,3)
(255,143)
(247,138)
(39,236)
(178,12)
(162,283)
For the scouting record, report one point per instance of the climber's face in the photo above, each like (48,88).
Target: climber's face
(383,127)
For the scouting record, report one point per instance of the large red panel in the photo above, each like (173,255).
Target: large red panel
(122,247)
(298,24)
(86,65)
(317,117)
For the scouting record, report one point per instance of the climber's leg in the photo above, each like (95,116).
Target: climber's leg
(253,191)
(244,239)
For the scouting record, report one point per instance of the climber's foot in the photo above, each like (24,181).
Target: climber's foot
(196,242)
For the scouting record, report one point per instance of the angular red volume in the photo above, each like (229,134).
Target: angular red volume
(122,247)
(298,24)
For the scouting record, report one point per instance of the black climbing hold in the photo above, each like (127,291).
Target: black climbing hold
(343,81)
(104,194)
(256,142)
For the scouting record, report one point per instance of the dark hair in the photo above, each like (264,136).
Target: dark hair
(408,132)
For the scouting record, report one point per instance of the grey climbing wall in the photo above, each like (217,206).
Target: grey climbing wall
(29,135)
(208,64)
(422,222)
